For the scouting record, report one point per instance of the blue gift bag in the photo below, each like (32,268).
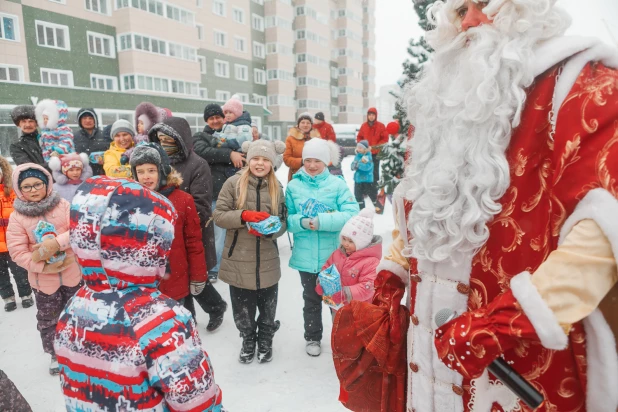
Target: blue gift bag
(268,226)
(312,207)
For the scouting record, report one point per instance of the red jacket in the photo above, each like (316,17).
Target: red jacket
(375,135)
(326,131)
(187,262)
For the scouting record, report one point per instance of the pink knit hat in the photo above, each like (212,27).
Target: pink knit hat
(360,228)
(233,105)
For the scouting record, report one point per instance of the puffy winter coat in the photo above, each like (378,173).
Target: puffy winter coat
(20,234)
(112,165)
(65,189)
(121,344)
(88,143)
(239,129)
(363,171)
(358,271)
(326,131)
(313,248)
(6,208)
(196,178)
(294,144)
(56,135)
(375,134)
(207,147)
(27,150)
(186,263)
(249,262)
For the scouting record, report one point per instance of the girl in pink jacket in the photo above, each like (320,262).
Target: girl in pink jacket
(53,283)
(356,259)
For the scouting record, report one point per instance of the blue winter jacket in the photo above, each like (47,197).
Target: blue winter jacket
(312,248)
(363,171)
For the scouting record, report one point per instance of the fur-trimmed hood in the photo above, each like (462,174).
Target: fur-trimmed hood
(147,113)
(174,178)
(298,135)
(179,129)
(56,110)
(26,166)
(87,111)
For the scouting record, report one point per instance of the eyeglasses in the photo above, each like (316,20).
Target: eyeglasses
(36,186)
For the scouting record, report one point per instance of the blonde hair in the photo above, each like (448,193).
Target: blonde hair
(273,189)
(7,172)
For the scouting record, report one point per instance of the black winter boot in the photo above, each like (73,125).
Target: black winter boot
(9,304)
(265,345)
(216,319)
(247,352)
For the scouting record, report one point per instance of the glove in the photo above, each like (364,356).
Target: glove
(197,287)
(255,233)
(470,343)
(314,224)
(304,222)
(124,160)
(58,266)
(45,250)
(253,216)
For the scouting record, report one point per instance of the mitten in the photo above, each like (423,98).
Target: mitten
(255,233)
(253,216)
(124,159)
(45,250)
(58,266)
(304,222)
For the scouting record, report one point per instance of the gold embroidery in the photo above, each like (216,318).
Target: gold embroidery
(569,157)
(534,201)
(606,180)
(519,163)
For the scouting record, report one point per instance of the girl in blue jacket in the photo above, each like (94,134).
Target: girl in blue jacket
(363,175)
(315,239)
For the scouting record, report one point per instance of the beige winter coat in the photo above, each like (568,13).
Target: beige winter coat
(248,262)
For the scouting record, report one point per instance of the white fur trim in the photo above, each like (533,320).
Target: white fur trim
(395,268)
(84,157)
(558,49)
(54,163)
(51,108)
(335,154)
(543,320)
(602,360)
(483,394)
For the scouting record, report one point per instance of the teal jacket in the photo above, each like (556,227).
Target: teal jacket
(313,248)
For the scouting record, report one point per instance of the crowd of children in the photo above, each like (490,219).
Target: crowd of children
(40,231)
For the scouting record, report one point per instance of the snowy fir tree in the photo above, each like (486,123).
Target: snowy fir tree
(391,163)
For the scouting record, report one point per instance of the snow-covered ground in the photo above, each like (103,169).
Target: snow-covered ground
(293,381)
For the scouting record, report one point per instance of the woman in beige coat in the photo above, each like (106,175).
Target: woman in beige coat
(250,263)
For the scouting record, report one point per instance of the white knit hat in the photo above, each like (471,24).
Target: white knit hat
(316,148)
(360,228)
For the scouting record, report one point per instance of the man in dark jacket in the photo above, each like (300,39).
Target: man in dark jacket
(174,135)
(220,160)
(89,139)
(27,148)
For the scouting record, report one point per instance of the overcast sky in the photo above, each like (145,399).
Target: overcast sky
(396,23)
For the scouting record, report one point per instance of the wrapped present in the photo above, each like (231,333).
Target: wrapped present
(330,281)
(96,158)
(312,207)
(43,231)
(266,227)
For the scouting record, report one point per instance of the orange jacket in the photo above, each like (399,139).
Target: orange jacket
(294,144)
(6,208)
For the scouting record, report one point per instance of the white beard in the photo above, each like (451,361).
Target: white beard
(464,109)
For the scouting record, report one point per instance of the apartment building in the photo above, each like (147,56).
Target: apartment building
(281,57)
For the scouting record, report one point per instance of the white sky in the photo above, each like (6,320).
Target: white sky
(396,23)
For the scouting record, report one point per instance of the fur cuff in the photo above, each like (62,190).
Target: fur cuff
(543,320)
(395,268)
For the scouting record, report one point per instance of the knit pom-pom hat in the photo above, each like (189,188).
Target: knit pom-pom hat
(264,148)
(360,228)
(233,105)
(66,162)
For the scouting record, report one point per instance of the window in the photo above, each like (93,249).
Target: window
(59,1)
(334,73)
(218,7)
(222,95)
(182,87)
(274,21)
(157,7)
(278,48)
(9,29)
(101,82)
(240,44)
(202,61)
(222,68)
(200,31)
(220,38)
(101,45)
(135,41)
(334,91)
(280,100)
(244,97)
(261,100)
(11,73)
(259,50)
(257,22)
(98,6)
(203,93)
(259,76)
(239,15)
(278,74)
(242,72)
(56,77)
(159,84)
(52,35)
(199,3)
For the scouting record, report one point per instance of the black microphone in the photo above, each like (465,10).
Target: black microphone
(501,370)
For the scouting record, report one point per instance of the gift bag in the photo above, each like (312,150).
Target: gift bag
(267,226)
(380,202)
(43,231)
(96,158)
(330,281)
(312,207)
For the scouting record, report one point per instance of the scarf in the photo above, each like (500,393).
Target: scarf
(35,209)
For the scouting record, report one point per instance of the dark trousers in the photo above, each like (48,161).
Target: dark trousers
(245,304)
(312,311)
(210,300)
(10,397)
(49,309)
(362,190)
(376,170)
(19,274)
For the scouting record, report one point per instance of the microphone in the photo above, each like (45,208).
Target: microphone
(502,370)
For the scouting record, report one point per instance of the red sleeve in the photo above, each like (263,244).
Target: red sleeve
(193,243)
(361,133)
(330,134)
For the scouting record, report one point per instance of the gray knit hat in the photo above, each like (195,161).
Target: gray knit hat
(122,126)
(264,148)
(22,112)
(154,154)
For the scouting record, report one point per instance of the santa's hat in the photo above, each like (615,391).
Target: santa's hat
(360,228)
